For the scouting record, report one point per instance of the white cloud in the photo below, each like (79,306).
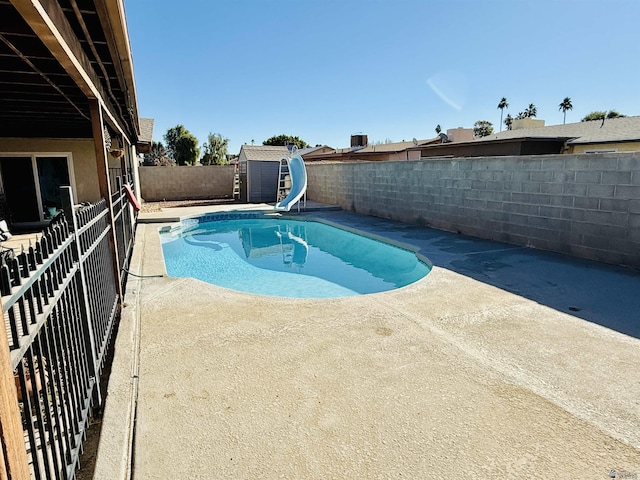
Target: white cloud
(451,87)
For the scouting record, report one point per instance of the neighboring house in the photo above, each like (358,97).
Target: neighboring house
(259,167)
(68,108)
(315,150)
(611,135)
(398,151)
(533,138)
(390,151)
(145,139)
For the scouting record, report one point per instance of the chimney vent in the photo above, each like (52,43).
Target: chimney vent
(359,140)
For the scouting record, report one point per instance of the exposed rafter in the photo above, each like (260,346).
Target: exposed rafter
(47,19)
(112,17)
(43,75)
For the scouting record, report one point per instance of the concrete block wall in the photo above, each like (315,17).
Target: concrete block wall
(584,205)
(186,183)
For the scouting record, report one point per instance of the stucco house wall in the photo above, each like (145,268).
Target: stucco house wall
(617,147)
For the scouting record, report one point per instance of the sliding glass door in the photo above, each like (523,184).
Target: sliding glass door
(32,185)
(53,173)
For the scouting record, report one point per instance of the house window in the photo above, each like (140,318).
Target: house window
(31,185)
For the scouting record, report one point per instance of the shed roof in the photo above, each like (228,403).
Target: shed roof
(263,152)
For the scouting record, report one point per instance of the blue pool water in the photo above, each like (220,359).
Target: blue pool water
(288,258)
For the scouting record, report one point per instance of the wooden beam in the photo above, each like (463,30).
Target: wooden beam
(16,464)
(97,127)
(105,21)
(112,17)
(47,19)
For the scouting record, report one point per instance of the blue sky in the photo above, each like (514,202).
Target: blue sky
(391,69)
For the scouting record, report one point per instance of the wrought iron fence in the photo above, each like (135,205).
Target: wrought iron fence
(60,304)
(124,221)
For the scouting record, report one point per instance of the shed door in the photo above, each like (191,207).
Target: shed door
(263,181)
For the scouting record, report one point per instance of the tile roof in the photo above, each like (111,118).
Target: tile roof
(146,130)
(305,151)
(264,152)
(393,147)
(613,130)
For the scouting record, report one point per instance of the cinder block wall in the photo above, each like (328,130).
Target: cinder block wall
(186,183)
(584,205)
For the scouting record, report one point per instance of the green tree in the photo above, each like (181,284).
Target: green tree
(531,111)
(502,105)
(482,128)
(171,138)
(614,114)
(157,156)
(284,140)
(215,150)
(438,129)
(508,121)
(598,115)
(182,146)
(186,150)
(564,106)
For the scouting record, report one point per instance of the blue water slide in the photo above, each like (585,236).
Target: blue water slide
(298,174)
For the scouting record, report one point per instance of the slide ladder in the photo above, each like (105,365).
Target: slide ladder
(236,182)
(292,182)
(284,180)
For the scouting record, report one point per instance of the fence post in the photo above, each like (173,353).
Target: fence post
(121,255)
(97,126)
(90,341)
(16,464)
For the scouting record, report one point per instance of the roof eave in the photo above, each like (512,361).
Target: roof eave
(578,141)
(495,140)
(117,28)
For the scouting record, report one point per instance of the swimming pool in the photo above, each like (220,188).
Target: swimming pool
(287,258)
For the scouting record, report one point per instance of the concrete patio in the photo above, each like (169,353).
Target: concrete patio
(504,362)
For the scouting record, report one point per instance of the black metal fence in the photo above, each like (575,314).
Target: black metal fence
(60,303)
(124,220)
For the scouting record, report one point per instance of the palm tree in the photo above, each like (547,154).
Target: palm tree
(564,106)
(531,111)
(502,105)
(508,121)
